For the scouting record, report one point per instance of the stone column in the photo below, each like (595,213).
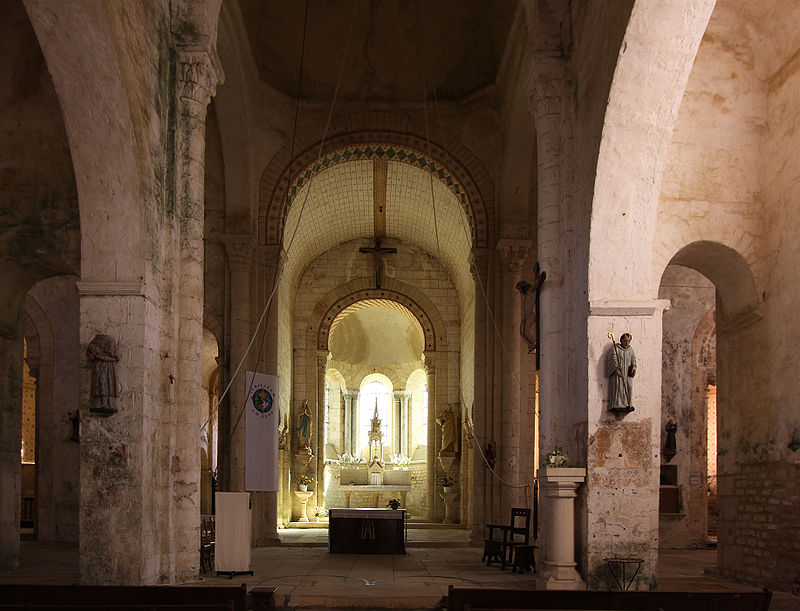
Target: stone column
(558,488)
(430,370)
(545,99)
(319,434)
(620,500)
(545,104)
(399,429)
(350,421)
(407,420)
(198,73)
(512,254)
(10,445)
(483,482)
(238,251)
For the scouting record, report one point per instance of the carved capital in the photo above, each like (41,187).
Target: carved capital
(430,363)
(546,88)
(239,252)
(322,362)
(198,76)
(512,254)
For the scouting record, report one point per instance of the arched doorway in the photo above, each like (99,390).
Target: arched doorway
(714,355)
(688,369)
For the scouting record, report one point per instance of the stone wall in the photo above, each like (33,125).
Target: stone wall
(691,297)
(757,511)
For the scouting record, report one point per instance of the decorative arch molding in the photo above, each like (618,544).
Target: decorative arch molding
(361,289)
(378,150)
(399,131)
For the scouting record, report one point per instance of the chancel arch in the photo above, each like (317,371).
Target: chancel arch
(358,336)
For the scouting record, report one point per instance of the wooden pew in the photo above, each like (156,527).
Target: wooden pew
(479,599)
(123,598)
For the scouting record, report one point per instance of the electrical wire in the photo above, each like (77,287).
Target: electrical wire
(284,255)
(529,486)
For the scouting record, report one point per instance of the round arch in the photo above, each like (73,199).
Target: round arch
(362,289)
(728,270)
(449,160)
(638,126)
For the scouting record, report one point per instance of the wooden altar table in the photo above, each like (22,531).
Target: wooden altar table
(367,531)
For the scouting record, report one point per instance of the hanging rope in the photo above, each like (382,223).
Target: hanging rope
(468,235)
(284,255)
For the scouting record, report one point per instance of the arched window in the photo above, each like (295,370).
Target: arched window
(375,391)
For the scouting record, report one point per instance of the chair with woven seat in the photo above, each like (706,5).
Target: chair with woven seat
(502,539)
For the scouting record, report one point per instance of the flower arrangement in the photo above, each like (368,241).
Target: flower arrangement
(400,460)
(347,460)
(304,480)
(393,503)
(556,458)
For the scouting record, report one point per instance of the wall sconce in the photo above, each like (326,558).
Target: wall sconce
(794,444)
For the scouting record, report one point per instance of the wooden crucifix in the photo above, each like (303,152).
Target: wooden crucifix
(529,327)
(377,254)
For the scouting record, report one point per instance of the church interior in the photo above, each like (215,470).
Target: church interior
(497,254)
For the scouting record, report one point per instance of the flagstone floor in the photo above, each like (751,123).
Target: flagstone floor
(309,578)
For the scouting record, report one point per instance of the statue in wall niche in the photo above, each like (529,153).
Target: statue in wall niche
(102,353)
(449,425)
(303,427)
(620,369)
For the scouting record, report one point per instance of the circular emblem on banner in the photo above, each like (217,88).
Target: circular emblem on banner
(262,401)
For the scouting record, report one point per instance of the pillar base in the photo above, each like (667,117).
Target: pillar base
(560,576)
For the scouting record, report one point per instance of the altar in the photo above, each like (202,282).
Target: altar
(367,531)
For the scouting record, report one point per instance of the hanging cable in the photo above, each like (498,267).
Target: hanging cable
(283,257)
(468,235)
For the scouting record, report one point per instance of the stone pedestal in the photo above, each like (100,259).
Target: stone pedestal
(303,496)
(450,509)
(558,486)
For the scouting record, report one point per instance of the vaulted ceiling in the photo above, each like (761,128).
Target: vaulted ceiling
(392,44)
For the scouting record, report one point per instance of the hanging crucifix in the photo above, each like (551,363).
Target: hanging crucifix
(529,326)
(377,254)
(379,171)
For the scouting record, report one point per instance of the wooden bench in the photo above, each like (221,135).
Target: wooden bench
(124,598)
(477,599)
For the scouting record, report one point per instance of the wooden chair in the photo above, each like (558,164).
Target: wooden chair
(207,536)
(502,539)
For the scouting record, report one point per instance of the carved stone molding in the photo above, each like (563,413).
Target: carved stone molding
(628,308)
(199,72)
(546,86)
(512,254)
(322,362)
(109,288)
(239,252)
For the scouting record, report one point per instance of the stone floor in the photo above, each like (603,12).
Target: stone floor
(308,578)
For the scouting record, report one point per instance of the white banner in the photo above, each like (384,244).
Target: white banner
(261,432)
